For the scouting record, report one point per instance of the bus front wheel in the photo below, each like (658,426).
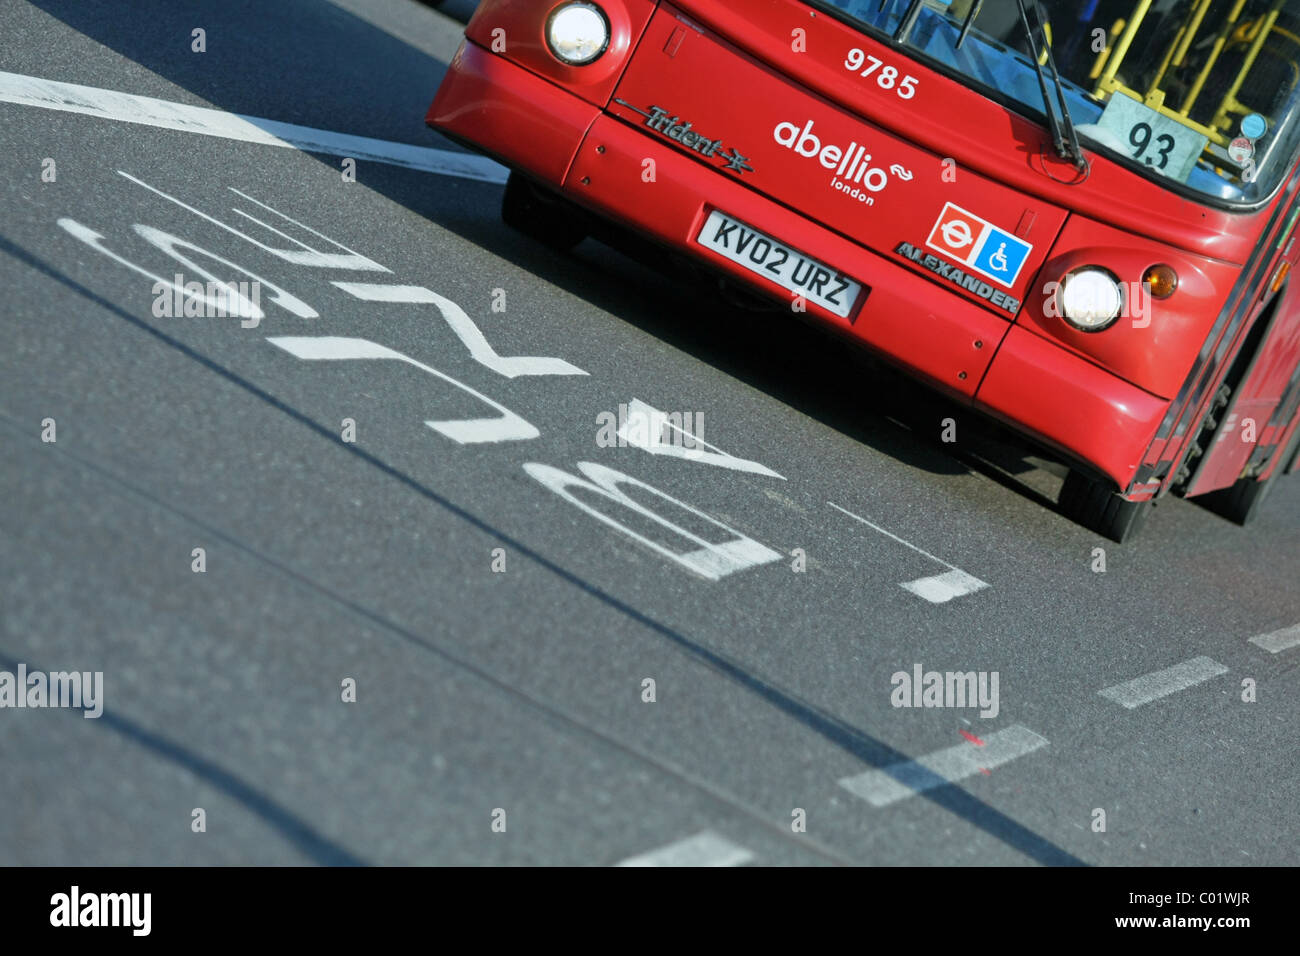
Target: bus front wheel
(1098,508)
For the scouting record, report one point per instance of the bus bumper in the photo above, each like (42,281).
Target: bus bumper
(1076,408)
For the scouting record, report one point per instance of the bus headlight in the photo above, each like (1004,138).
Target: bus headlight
(577,33)
(1090,298)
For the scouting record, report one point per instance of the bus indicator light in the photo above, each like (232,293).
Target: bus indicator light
(1161,281)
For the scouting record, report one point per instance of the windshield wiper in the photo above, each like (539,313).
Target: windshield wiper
(1062,130)
(971,14)
(907,22)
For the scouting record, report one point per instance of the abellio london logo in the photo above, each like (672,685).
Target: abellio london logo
(852,172)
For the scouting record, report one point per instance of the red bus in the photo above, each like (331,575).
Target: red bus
(1076,217)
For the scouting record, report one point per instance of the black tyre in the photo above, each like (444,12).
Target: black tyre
(1098,508)
(1240,503)
(542,215)
(1242,500)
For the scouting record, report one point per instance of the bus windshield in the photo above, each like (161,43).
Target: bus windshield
(1198,92)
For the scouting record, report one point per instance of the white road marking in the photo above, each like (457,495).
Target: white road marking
(703,849)
(210,304)
(464,327)
(936,589)
(901,780)
(648,436)
(1162,683)
(509,427)
(165,114)
(384,292)
(304,255)
(712,560)
(1278,641)
(226,303)
(941,588)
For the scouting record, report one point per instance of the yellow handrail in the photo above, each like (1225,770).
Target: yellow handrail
(1115,29)
(1121,49)
(1229,102)
(1213,58)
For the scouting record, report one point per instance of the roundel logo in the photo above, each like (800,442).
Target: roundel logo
(956,233)
(977,244)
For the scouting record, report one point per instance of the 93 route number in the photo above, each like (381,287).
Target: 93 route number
(886,79)
(1140,137)
(1151,137)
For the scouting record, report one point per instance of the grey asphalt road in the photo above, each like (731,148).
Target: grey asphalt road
(500,636)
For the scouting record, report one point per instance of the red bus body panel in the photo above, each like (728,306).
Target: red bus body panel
(951,119)
(1259,422)
(494,104)
(922,326)
(1157,349)
(700,105)
(690,83)
(515,29)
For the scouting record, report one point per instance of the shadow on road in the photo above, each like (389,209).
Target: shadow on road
(313,63)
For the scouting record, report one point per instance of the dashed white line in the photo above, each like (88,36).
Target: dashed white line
(937,589)
(703,849)
(1162,683)
(165,114)
(941,588)
(901,780)
(1278,641)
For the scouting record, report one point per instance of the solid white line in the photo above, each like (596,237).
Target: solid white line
(894,536)
(1162,683)
(164,114)
(703,849)
(937,589)
(1279,640)
(901,780)
(942,588)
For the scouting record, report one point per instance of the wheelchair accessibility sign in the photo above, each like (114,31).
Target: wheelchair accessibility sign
(979,245)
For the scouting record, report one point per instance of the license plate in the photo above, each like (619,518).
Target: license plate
(792,270)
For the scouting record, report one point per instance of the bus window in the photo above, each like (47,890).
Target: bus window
(1202,93)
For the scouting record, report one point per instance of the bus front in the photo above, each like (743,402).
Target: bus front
(1068,214)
